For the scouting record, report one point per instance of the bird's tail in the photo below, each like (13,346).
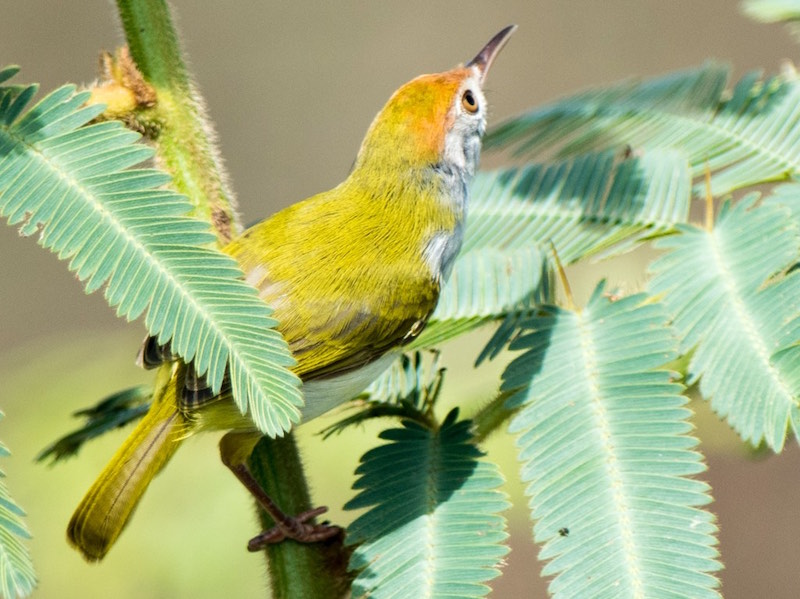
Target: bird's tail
(109,504)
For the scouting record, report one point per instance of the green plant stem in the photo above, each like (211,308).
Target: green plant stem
(297,570)
(184,148)
(491,417)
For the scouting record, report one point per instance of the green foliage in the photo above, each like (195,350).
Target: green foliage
(487,284)
(17,577)
(602,435)
(595,203)
(601,424)
(118,226)
(113,412)
(771,11)
(746,136)
(407,389)
(433,527)
(582,206)
(732,303)
(787,197)
(409,380)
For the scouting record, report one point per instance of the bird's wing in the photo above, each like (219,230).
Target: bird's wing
(332,336)
(342,290)
(338,307)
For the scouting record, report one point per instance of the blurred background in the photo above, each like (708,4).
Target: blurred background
(291,89)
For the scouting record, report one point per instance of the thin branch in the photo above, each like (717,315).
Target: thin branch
(185,149)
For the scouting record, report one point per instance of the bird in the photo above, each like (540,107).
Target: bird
(352,274)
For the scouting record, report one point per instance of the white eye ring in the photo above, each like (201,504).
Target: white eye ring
(469,102)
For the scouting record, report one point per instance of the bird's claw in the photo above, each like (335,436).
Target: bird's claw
(297,529)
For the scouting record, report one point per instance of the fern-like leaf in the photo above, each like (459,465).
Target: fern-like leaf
(597,203)
(410,379)
(732,304)
(486,284)
(605,452)
(582,205)
(787,196)
(17,577)
(111,413)
(772,11)
(121,227)
(747,136)
(433,527)
(408,389)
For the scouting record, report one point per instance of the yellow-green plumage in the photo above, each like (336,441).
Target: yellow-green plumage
(352,274)
(362,286)
(106,507)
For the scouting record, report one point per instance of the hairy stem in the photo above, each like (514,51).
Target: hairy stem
(297,570)
(185,150)
(491,417)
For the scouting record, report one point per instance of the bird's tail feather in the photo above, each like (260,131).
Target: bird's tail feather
(112,499)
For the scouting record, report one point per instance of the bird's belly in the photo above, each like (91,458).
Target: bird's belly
(325,394)
(320,396)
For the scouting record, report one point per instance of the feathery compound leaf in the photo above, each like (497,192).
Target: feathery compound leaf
(730,302)
(112,412)
(8,72)
(408,389)
(772,11)
(571,123)
(119,227)
(594,203)
(605,452)
(581,205)
(433,528)
(486,284)
(750,136)
(408,379)
(17,577)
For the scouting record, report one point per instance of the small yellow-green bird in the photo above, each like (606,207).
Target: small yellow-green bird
(352,274)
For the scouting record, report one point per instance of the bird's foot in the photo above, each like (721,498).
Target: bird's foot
(296,528)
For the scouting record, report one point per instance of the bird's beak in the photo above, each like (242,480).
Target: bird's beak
(485,57)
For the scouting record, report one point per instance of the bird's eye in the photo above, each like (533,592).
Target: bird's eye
(469,102)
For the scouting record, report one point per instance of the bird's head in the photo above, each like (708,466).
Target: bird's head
(434,120)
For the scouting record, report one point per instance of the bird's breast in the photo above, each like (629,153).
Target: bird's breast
(440,251)
(442,246)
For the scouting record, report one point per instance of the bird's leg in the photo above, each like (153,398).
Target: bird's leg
(296,527)
(235,448)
